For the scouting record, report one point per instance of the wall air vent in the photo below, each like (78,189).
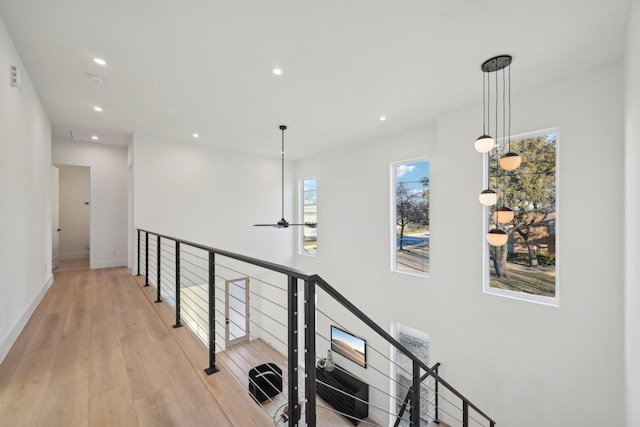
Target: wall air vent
(14,77)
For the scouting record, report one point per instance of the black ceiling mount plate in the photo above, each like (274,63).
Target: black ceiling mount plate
(496,63)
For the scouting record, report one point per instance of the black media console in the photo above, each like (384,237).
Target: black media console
(353,397)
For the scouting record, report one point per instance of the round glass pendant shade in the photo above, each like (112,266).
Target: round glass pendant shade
(503,215)
(488,197)
(484,144)
(497,237)
(510,161)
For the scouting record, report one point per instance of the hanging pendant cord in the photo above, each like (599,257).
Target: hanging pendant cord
(496,109)
(484,110)
(504,194)
(509,128)
(497,150)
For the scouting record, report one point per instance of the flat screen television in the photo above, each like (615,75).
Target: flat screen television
(348,345)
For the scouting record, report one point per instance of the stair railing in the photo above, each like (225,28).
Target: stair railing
(179,272)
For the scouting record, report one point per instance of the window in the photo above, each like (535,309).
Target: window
(417,342)
(309,207)
(410,218)
(525,267)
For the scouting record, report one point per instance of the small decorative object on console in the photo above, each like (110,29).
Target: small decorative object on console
(329,364)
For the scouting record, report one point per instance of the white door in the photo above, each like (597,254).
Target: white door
(237,311)
(55,215)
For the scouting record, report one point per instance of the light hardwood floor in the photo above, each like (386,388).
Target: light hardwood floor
(72,264)
(97,352)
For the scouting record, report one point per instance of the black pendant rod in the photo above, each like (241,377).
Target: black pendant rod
(282,128)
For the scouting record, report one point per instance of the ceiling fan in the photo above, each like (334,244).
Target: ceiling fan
(283,223)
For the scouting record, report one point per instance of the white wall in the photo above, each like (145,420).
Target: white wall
(75,210)
(108,165)
(524,364)
(354,248)
(210,196)
(631,226)
(25,198)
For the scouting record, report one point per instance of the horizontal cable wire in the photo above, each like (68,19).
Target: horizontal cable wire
(205,321)
(170,263)
(268,333)
(184,273)
(474,419)
(385,393)
(253,277)
(200,331)
(233,360)
(187,297)
(186,260)
(440,409)
(267,299)
(370,346)
(194,255)
(270,317)
(344,414)
(188,314)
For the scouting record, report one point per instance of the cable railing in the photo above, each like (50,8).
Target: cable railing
(272,327)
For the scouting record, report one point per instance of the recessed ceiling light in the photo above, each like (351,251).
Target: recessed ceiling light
(383,118)
(95,138)
(195,135)
(99,61)
(98,109)
(277,71)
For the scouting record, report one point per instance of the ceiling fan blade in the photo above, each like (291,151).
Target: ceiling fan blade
(283,223)
(280,224)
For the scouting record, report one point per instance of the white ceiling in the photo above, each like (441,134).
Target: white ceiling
(179,67)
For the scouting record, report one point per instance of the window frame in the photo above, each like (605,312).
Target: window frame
(393,217)
(486,273)
(301,205)
(394,380)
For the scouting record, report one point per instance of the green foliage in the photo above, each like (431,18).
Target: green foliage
(530,190)
(546,259)
(523,258)
(527,280)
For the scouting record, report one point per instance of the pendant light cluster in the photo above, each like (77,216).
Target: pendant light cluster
(509,161)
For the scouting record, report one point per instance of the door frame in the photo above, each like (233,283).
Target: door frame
(237,340)
(62,164)
(55,216)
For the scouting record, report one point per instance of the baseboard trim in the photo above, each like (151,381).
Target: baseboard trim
(11,338)
(73,255)
(109,264)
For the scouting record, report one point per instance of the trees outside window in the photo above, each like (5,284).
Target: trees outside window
(410,219)
(525,266)
(309,206)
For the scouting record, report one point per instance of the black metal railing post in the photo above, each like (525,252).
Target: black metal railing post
(212,369)
(138,269)
(465,414)
(316,282)
(178,324)
(407,398)
(310,351)
(146,258)
(436,400)
(414,412)
(158,271)
(292,343)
